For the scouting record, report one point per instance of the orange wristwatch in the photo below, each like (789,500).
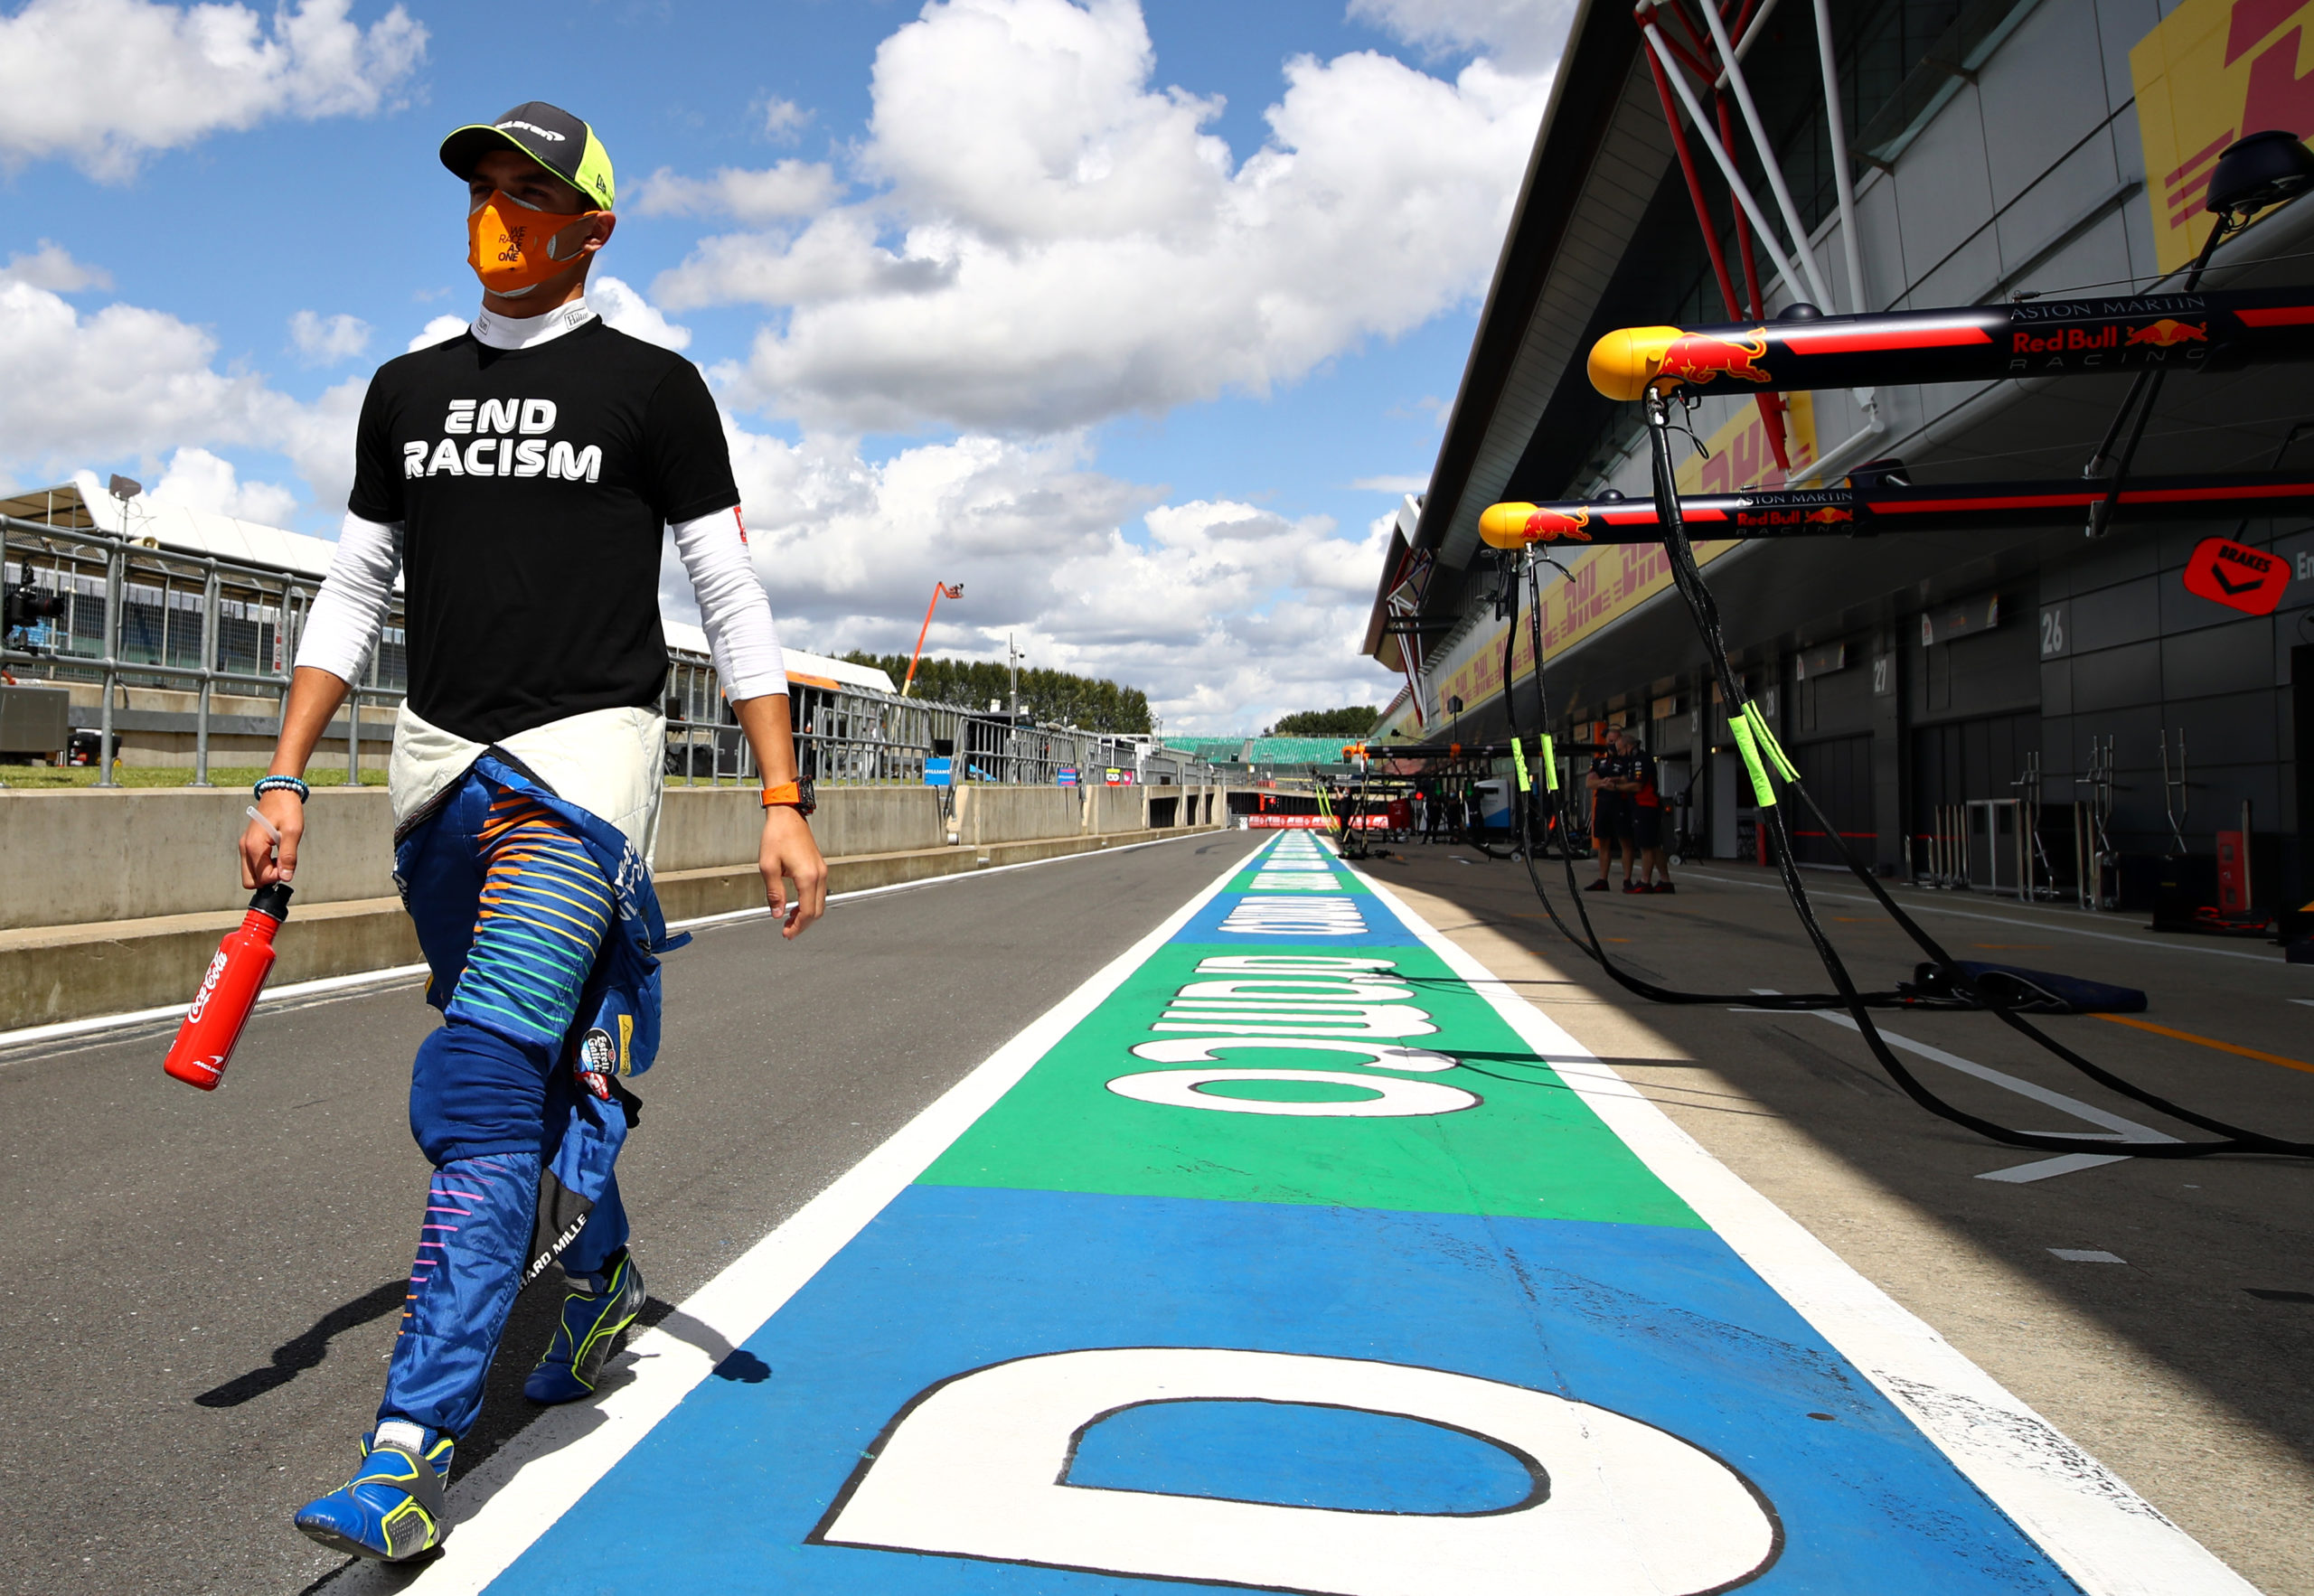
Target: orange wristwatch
(795,796)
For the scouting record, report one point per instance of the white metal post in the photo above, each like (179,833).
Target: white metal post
(1768,162)
(1837,124)
(209,601)
(1736,184)
(111,641)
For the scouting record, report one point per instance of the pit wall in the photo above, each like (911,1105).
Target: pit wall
(703,826)
(80,856)
(1017,814)
(1111,810)
(120,897)
(84,856)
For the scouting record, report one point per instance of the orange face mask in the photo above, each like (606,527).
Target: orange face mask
(513,247)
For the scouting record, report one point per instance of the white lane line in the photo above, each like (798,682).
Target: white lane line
(2126,1130)
(2070,1163)
(2066,1163)
(2085,1255)
(1921,908)
(2110,1540)
(506,1504)
(30,1035)
(729,915)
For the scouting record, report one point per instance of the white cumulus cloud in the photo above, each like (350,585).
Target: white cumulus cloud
(123,380)
(783,119)
(788,188)
(318,438)
(440,329)
(199,480)
(50,266)
(324,341)
(1222,610)
(633,314)
(1055,238)
(105,83)
(129,382)
(1518,32)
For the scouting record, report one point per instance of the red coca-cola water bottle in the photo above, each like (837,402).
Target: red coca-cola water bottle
(212,1026)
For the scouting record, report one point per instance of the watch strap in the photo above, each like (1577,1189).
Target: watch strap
(797,794)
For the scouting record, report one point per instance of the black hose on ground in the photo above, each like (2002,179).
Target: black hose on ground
(1703,608)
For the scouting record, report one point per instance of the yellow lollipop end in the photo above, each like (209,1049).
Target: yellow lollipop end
(1504,526)
(1626,360)
(1519,525)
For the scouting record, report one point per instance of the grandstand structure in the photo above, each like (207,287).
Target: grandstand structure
(1269,758)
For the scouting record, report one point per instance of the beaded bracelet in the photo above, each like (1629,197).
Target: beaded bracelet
(282,783)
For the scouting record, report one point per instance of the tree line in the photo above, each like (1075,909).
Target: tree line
(1061,697)
(1355,722)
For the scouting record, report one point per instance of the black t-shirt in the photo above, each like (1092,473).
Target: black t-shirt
(1612,767)
(1640,767)
(531,485)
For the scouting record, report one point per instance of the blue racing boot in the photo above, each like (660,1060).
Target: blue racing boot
(392,1510)
(597,1309)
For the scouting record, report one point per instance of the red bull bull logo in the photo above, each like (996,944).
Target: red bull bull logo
(1700,357)
(1519,525)
(1830,513)
(2168,334)
(1627,363)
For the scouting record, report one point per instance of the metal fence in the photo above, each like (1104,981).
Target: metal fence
(133,613)
(848,735)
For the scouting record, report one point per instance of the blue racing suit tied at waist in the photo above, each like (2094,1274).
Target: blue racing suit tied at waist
(620,997)
(543,932)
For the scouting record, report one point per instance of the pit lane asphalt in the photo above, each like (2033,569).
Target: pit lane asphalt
(197,1293)
(2182,1363)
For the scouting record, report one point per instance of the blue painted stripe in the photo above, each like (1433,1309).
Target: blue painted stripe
(1665,1326)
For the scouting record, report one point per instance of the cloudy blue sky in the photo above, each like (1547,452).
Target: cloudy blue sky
(1134,318)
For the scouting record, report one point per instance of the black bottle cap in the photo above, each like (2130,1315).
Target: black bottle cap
(272,900)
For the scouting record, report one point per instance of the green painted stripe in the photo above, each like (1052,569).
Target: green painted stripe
(1532,1148)
(1283,882)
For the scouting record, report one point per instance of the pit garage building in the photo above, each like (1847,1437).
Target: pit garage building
(2002,706)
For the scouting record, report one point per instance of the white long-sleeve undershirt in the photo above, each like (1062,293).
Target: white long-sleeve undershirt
(733,609)
(342,625)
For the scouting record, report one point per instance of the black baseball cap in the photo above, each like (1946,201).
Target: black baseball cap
(549,135)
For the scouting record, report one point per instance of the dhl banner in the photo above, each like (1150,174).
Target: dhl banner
(1610,582)
(2213,71)
(1607,584)
(1740,456)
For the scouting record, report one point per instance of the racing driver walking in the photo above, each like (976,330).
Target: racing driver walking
(517,478)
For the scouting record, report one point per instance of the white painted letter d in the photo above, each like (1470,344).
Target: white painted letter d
(976,1467)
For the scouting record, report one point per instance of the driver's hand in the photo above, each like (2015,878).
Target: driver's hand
(260,866)
(790,853)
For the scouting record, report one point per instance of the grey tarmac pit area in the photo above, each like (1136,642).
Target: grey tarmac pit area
(2166,1367)
(197,1293)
